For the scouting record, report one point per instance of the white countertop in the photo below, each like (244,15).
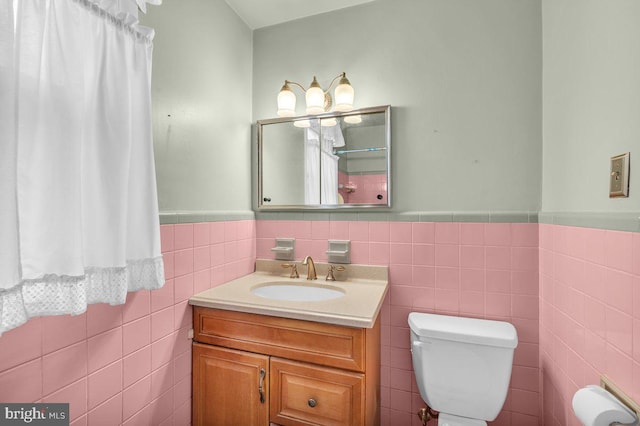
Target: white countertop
(364,287)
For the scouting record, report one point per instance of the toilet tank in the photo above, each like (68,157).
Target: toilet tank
(462,365)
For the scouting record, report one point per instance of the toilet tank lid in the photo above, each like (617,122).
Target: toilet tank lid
(466,330)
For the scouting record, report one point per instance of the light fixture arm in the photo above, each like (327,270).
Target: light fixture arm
(341,75)
(287,82)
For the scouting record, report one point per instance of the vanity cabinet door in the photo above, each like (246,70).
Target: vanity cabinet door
(304,394)
(230,387)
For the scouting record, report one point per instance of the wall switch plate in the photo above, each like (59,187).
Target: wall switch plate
(619,177)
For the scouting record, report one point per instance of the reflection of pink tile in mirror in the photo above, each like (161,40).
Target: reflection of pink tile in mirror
(363,189)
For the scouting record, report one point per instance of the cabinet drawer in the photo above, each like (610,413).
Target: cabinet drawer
(325,344)
(303,394)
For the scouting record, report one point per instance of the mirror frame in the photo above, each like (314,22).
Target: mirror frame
(386,109)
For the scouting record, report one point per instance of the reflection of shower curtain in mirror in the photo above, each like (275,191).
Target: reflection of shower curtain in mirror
(321,173)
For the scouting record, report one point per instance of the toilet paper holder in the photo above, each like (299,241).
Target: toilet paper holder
(605,405)
(614,390)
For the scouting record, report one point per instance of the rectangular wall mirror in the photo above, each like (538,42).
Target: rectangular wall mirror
(327,161)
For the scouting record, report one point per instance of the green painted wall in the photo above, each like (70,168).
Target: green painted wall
(591,108)
(464,81)
(201,91)
(483,121)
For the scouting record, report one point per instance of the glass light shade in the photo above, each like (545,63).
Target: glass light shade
(315,98)
(302,123)
(344,95)
(286,102)
(353,119)
(328,122)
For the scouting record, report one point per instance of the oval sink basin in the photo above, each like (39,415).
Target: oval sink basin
(297,293)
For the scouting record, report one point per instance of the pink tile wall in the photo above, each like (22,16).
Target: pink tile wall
(589,314)
(469,269)
(131,364)
(128,364)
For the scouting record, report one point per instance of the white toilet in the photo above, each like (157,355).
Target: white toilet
(462,366)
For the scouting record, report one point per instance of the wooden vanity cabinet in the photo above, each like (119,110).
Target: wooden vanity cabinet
(234,397)
(314,373)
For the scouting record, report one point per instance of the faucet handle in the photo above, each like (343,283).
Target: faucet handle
(294,269)
(332,268)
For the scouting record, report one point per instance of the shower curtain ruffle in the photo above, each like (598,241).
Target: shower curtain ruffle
(56,295)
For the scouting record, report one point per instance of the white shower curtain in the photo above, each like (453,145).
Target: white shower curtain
(78,213)
(321,172)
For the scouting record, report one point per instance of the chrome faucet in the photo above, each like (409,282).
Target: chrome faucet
(311,268)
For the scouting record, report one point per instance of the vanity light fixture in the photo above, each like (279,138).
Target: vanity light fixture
(317,100)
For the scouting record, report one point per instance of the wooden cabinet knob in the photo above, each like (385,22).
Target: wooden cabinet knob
(312,402)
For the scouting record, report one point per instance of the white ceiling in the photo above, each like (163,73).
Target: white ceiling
(262,13)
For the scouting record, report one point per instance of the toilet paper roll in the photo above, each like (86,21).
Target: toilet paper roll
(594,406)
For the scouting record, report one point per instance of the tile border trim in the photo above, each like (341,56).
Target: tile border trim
(615,221)
(174,218)
(481,216)
(627,221)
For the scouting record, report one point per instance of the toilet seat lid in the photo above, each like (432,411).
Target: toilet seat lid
(465,330)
